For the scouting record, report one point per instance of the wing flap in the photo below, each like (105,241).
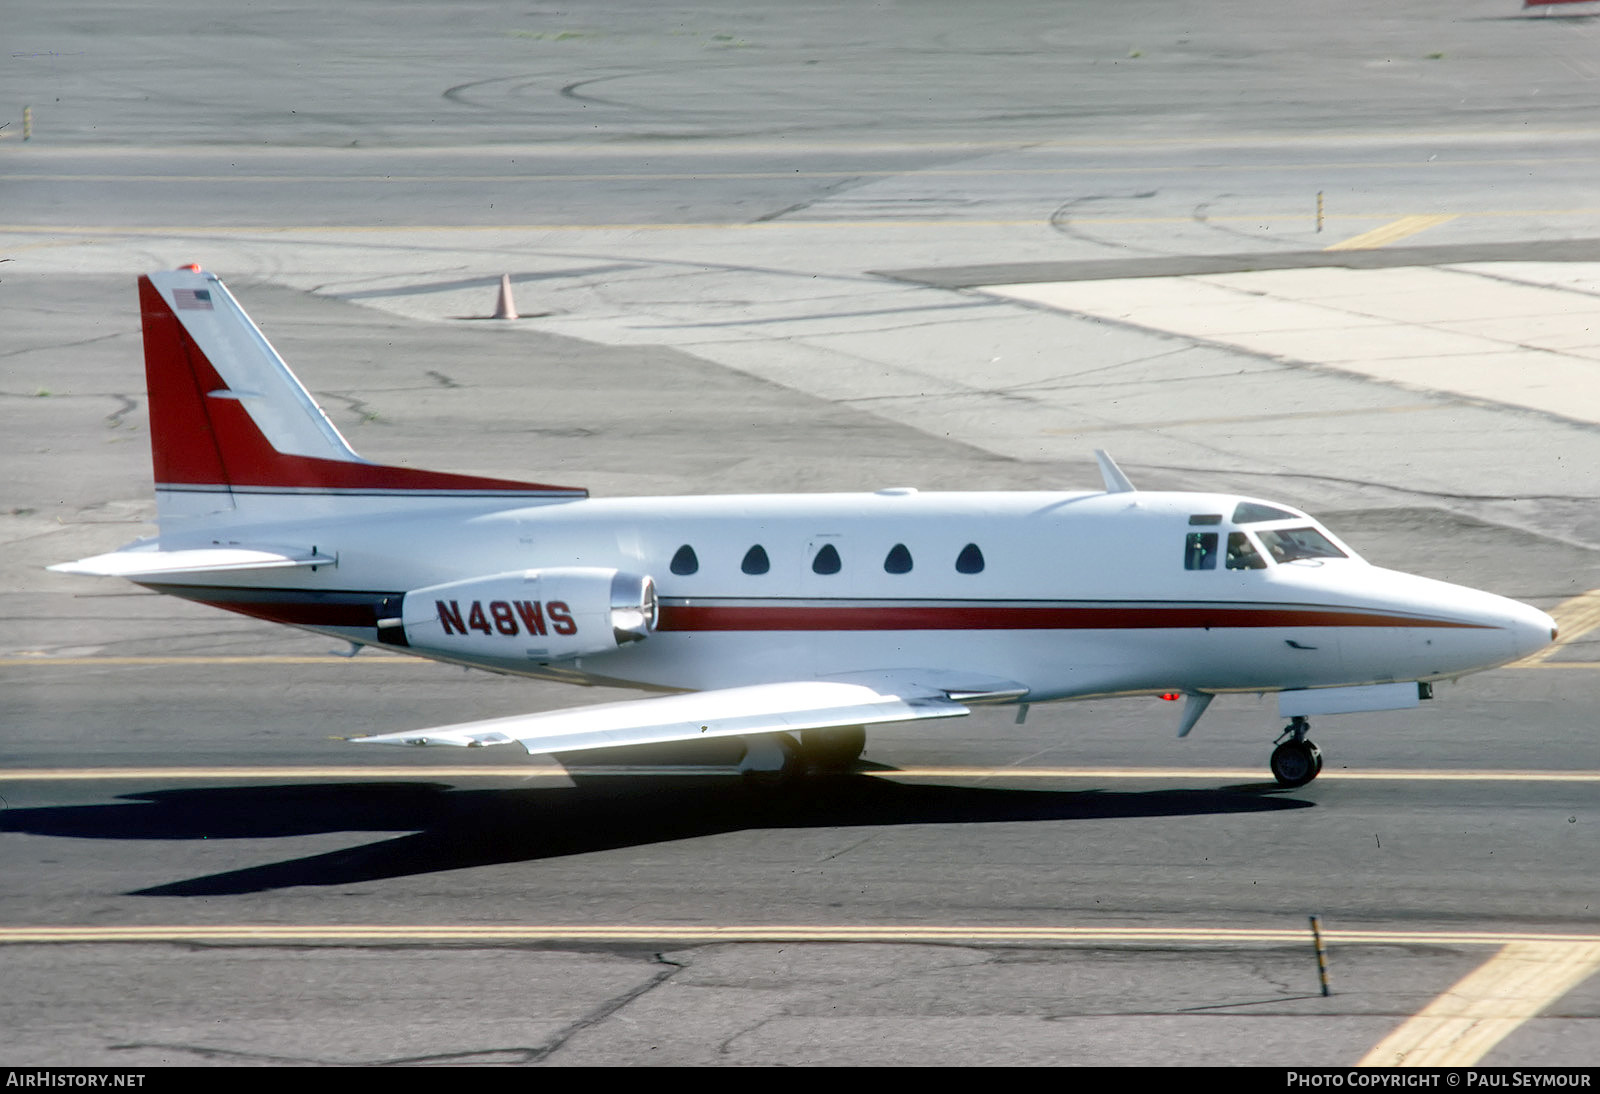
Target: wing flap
(729,712)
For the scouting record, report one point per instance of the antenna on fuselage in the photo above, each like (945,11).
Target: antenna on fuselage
(1116,481)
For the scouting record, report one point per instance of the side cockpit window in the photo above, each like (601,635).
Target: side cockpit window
(1200,551)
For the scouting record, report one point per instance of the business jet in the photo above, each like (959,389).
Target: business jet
(795,622)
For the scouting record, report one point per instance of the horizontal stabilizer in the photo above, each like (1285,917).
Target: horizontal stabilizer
(139,562)
(763,708)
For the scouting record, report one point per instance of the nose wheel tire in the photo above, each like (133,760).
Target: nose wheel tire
(1295,763)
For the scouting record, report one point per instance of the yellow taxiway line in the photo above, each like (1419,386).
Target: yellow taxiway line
(704,933)
(1390,233)
(1460,1027)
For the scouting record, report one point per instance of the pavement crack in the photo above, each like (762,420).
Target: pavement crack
(220,1055)
(828,191)
(114,419)
(499,1056)
(1061,220)
(1522,283)
(441,378)
(725,1047)
(848,848)
(61,345)
(364,413)
(611,1006)
(1201,215)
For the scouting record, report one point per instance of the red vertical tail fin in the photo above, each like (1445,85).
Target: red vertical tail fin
(228,418)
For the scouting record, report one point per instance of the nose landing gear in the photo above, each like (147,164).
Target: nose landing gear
(1296,760)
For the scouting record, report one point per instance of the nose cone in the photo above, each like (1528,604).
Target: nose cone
(1448,629)
(1518,630)
(1531,630)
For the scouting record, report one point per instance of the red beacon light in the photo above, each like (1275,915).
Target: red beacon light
(193,267)
(1171,696)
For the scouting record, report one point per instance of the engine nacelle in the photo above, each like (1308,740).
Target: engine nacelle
(526,615)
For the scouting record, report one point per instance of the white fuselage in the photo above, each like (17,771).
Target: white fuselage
(1065,594)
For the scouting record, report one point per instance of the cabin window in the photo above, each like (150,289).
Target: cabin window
(684,562)
(826,560)
(755,561)
(970,560)
(1200,551)
(898,560)
(1289,544)
(1242,554)
(1253,512)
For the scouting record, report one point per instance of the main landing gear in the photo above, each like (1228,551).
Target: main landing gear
(1296,761)
(772,759)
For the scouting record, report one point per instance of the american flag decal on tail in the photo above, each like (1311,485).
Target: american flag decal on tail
(192,299)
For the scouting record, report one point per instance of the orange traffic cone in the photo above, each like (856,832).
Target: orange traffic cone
(505,309)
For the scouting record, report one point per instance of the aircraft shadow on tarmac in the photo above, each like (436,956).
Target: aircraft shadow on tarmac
(451,829)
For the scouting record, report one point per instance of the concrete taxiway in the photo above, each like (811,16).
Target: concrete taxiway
(1346,262)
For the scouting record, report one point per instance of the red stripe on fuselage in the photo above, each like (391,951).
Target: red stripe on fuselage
(971,617)
(311,608)
(297,607)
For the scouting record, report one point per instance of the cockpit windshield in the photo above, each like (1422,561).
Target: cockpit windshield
(1290,544)
(1260,547)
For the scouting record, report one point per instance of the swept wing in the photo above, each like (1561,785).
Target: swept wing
(727,712)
